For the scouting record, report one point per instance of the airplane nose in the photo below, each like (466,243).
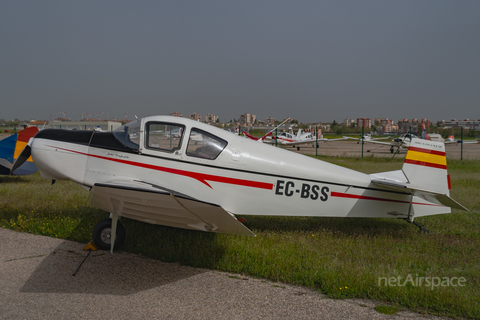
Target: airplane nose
(61,154)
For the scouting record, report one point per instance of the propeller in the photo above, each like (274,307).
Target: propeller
(26,153)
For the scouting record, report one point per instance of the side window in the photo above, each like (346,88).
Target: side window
(164,136)
(204,145)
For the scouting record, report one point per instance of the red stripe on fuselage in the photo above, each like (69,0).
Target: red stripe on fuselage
(202,177)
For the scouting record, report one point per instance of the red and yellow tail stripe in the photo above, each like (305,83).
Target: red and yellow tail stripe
(426,157)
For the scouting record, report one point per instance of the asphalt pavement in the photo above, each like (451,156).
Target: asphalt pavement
(36,282)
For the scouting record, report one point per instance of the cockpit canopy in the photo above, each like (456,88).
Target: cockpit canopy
(169,137)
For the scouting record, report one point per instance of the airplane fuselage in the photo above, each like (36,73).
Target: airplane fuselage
(246,177)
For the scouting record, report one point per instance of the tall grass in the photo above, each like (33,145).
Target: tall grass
(343,258)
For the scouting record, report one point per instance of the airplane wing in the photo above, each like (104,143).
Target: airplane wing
(381,142)
(372,141)
(336,139)
(460,141)
(158,205)
(310,141)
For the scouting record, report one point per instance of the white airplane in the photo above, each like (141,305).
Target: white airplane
(290,140)
(401,142)
(437,137)
(365,137)
(137,173)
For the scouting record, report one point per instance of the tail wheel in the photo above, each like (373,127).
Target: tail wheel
(102,234)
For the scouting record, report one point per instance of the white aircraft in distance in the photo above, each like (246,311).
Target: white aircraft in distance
(365,137)
(137,173)
(437,137)
(290,140)
(401,142)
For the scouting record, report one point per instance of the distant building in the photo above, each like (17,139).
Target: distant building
(176,114)
(105,125)
(247,119)
(195,117)
(348,122)
(385,125)
(465,123)
(364,122)
(38,123)
(211,118)
(413,125)
(269,121)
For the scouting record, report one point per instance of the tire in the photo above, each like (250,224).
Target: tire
(102,232)
(298,148)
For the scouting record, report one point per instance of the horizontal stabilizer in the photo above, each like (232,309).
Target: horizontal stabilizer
(428,195)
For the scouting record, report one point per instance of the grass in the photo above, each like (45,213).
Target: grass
(343,258)
(387,309)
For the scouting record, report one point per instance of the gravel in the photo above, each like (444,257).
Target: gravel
(36,282)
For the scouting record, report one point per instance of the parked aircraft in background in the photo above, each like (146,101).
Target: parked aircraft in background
(136,173)
(10,149)
(437,137)
(290,140)
(401,142)
(365,137)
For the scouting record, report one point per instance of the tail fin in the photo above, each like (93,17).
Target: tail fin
(424,175)
(299,133)
(424,131)
(426,165)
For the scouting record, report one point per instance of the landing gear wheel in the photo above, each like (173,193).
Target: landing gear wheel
(102,234)
(298,148)
(391,150)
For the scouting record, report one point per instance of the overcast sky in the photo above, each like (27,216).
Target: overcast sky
(309,60)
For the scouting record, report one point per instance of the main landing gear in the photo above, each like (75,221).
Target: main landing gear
(419,225)
(102,234)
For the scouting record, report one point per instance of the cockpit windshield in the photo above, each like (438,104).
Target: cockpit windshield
(129,134)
